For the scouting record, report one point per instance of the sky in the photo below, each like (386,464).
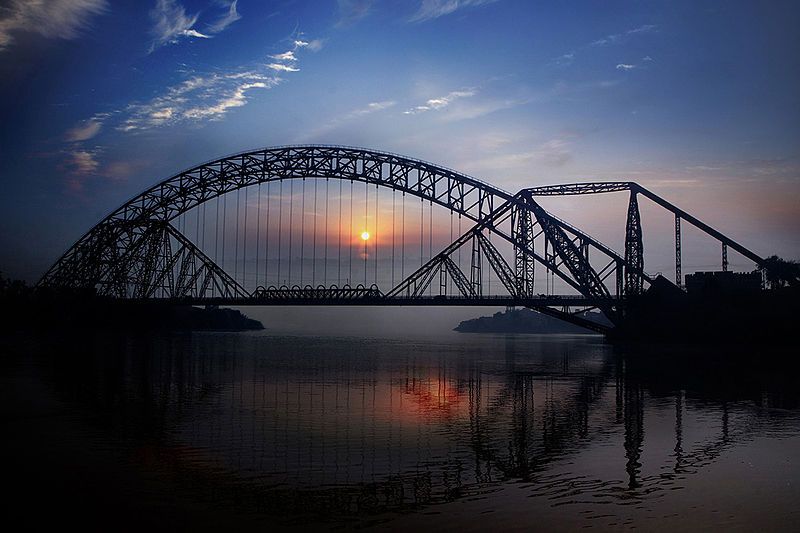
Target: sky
(698,100)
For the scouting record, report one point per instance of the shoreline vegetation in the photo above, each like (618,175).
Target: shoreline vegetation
(527,321)
(28,308)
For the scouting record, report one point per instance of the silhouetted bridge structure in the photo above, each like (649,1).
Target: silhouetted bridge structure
(332,225)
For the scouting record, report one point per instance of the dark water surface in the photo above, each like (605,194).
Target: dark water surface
(447,432)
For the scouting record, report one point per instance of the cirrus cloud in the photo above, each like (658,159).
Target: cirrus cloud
(230,16)
(51,19)
(432,9)
(171,22)
(87,129)
(440,102)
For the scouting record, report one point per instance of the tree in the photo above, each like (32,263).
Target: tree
(12,287)
(781,272)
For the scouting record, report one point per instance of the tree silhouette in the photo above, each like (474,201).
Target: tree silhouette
(781,272)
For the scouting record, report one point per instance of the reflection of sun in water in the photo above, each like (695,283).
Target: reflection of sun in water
(365,236)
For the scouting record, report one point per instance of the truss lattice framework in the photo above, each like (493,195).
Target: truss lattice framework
(133,249)
(635,188)
(148,260)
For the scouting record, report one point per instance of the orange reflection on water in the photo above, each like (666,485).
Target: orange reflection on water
(434,397)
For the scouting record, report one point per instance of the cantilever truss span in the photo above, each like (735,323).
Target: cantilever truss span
(137,252)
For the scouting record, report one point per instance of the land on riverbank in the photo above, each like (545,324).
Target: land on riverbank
(527,321)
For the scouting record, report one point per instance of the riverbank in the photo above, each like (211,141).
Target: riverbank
(42,313)
(528,321)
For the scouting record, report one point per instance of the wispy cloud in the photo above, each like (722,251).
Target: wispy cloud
(565,59)
(552,153)
(625,66)
(286,56)
(78,165)
(236,98)
(642,29)
(197,98)
(78,162)
(440,102)
(568,58)
(370,108)
(52,19)
(83,162)
(432,9)
(351,11)
(619,37)
(85,130)
(230,16)
(287,60)
(473,109)
(281,67)
(314,45)
(170,23)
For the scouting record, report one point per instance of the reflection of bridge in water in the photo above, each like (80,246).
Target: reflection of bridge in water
(289,226)
(383,426)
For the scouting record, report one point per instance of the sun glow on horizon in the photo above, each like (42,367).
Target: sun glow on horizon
(365,235)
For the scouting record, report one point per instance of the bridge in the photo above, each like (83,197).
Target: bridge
(334,225)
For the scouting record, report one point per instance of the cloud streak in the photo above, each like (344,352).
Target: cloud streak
(236,98)
(552,153)
(87,129)
(441,102)
(51,19)
(210,96)
(433,9)
(351,11)
(281,67)
(370,108)
(619,37)
(198,98)
(314,45)
(286,56)
(82,163)
(231,16)
(568,58)
(171,23)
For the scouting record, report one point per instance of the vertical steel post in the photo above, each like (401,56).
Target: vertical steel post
(634,249)
(678,276)
(724,257)
(475,270)
(523,241)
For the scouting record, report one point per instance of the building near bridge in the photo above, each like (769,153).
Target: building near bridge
(723,282)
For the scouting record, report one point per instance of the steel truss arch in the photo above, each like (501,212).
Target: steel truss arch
(135,234)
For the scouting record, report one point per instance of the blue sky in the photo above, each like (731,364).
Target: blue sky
(697,100)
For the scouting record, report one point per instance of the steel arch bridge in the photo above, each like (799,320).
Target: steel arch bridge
(143,249)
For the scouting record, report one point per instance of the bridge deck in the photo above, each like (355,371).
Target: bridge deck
(443,301)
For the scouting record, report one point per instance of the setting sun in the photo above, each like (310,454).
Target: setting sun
(365,235)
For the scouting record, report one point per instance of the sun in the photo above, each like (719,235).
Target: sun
(365,236)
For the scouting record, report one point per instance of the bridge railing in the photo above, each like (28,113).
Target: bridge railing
(321,292)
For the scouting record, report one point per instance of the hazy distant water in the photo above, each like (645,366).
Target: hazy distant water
(406,427)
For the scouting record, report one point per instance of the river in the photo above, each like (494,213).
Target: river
(390,430)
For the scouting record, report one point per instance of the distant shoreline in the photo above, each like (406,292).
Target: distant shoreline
(526,321)
(115,315)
